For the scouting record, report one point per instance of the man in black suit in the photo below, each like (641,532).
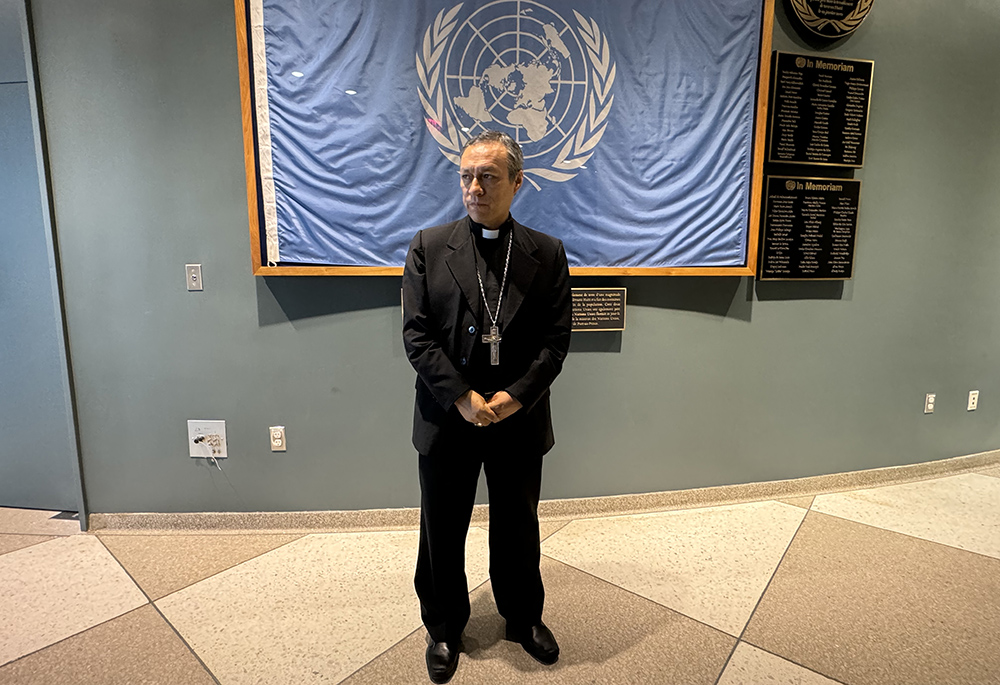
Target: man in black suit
(486,308)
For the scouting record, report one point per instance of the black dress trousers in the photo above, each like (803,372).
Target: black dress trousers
(448,480)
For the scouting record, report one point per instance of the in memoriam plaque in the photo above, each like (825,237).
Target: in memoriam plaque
(819,110)
(832,18)
(810,225)
(598,309)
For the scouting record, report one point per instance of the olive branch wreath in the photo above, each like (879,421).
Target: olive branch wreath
(440,124)
(845,25)
(449,136)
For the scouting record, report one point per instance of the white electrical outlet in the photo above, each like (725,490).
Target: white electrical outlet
(207,439)
(277,438)
(929,403)
(973,400)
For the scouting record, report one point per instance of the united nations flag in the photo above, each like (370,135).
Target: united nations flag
(636,121)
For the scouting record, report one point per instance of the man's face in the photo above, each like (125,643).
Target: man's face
(487,190)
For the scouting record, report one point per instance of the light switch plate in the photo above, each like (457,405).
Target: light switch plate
(193,272)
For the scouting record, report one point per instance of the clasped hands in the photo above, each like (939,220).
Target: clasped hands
(475,409)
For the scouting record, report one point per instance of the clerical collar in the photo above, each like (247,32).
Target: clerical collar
(490,234)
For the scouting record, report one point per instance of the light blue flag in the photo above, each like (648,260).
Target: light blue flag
(635,117)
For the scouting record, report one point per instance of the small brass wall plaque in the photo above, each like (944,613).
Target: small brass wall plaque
(832,18)
(598,309)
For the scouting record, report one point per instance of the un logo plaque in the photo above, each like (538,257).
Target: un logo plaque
(831,18)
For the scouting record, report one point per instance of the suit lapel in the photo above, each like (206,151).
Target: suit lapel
(521,273)
(462,264)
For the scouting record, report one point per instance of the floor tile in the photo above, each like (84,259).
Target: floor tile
(710,564)
(161,564)
(752,666)
(606,635)
(139,647)
(36,522)
(57,589)
(312,611)
(10,543)
(867,606)
(992,471)
(545,528)
(960,511)
(804,502)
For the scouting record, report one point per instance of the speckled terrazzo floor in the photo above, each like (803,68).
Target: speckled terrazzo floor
(887,585)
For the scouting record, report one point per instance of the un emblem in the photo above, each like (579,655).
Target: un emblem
(518,66)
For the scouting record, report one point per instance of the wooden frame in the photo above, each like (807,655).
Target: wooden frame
(756,184)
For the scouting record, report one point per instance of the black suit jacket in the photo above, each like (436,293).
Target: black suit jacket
(442,311)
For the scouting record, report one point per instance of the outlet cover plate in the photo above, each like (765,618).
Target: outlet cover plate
(278,442)
(973,400)
(207,439)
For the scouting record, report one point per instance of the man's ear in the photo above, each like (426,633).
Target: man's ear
(518,180)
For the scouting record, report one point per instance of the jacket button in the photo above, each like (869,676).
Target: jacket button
(464,361)
(472,330)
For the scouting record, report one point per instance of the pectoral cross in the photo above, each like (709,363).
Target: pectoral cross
(494,340)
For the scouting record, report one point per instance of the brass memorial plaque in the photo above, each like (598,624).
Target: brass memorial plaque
(832,18)
(819,110)
(810,228)
(598,309)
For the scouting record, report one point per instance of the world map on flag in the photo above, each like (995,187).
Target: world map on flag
(521,89)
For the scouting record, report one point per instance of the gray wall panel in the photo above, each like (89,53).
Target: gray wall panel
(716,380)
(37,451)
(11,48)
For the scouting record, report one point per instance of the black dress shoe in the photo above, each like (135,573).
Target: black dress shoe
(537,641)
(442,660)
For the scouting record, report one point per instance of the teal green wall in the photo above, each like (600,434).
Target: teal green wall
(716,380)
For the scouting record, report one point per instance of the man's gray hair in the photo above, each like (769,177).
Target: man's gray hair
(515,158)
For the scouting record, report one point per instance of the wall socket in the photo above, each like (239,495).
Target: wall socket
(207,439)
(278,443)
(973,400)
(929,403)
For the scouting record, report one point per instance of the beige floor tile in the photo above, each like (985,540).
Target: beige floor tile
(59,588)
(867,606)
(161,564)
(960,511)
(710,564)
(606,635)
(752,666)
(803,502)
(36,522)
(992,471)
(547,529)
(10,543)
(139,647)
(312,611)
